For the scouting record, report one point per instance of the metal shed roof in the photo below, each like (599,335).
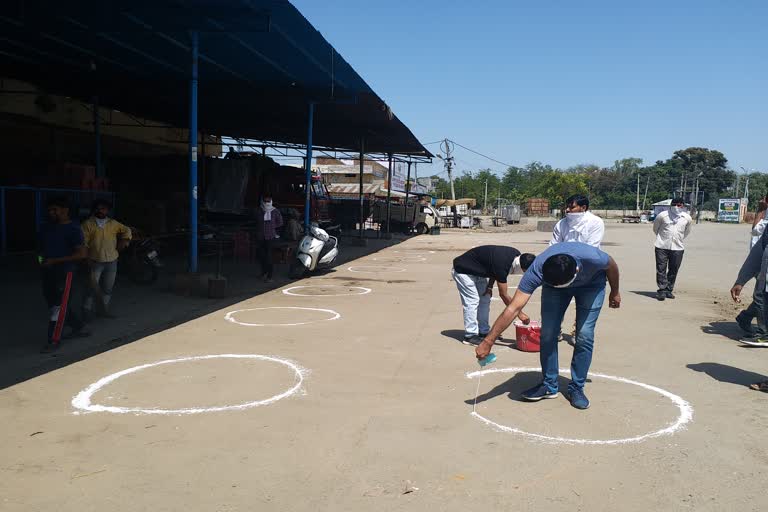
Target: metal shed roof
(261,63)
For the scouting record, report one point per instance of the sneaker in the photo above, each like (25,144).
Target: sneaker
(538,392)
(482,336)
(669,295)
(578,399)
(745,323)
(757,341)
(661,296)
(475,339)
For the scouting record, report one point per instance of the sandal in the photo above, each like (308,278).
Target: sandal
(760,386)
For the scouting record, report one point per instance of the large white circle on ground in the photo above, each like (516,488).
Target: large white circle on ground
(374,269)
(685,416)
(230,317)
(82,401)
(353,290)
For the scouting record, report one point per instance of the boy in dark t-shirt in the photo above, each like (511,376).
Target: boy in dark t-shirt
(475,272)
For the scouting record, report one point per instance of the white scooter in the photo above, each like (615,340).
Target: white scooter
(317,250)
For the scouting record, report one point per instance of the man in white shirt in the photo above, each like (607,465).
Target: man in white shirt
(671,228)
(579,224)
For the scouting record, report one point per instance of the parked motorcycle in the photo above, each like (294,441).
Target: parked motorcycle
(317,250)
(143,261)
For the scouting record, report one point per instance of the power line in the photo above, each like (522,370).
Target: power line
(482,155)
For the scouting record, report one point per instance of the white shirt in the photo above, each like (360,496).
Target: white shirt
(671,233)
(587,229)
(757,232)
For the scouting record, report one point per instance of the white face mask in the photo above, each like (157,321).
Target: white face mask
(516,268)
(569,283)
(677,210)
(575,217)
(268,204)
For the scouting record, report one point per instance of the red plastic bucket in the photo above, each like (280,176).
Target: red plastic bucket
(528,337)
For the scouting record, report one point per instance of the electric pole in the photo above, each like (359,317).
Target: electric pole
(448,159)
(485,204)
(637,200)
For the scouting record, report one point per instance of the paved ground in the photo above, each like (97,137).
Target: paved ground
(385,401)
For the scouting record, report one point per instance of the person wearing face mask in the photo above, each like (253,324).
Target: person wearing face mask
(104,238)
(565,272)
(579,224)
(268,221)
(475,272)
(671,228)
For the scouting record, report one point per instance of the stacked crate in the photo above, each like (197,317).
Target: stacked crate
(537,207)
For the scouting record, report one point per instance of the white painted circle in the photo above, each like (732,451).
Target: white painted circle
(231,316)
(82,400)
(685,416)
(365,269)
(362,291)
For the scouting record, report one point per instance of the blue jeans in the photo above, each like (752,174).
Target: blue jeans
(554,302)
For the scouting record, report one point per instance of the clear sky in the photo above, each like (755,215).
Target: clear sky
(564,82)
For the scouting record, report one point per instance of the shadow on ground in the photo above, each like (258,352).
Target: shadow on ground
(515,386)
(650,295)
(728,374)
(458,335)
(723,328)
(142,310)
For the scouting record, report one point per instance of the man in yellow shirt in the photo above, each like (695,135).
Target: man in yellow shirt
(104,237)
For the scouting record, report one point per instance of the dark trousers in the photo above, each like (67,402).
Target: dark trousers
(756,310)
(54,283)
(264,254)
(667,264)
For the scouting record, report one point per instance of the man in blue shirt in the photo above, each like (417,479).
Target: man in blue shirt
(566,271)
(61,249)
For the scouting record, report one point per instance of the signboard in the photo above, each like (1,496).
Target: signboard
(399,174)
(729,210)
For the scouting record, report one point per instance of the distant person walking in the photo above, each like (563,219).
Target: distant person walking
(104,239)
(565,272)
(671,227)
(579,224)
(61,249)
(268,221)
(475,273)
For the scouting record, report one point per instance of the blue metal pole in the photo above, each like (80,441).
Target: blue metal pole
(193,157)
(3,227)
(308,198)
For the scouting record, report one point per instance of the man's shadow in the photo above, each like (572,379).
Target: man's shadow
(728,374)
(723,328)
(458,335)
(650,295)
(515,387)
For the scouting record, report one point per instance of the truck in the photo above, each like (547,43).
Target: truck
(418,217)
(510,213)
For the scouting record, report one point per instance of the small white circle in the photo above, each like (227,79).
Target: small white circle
(382,269)
(290,291)
(685,416)
(82,400)
(231,316)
